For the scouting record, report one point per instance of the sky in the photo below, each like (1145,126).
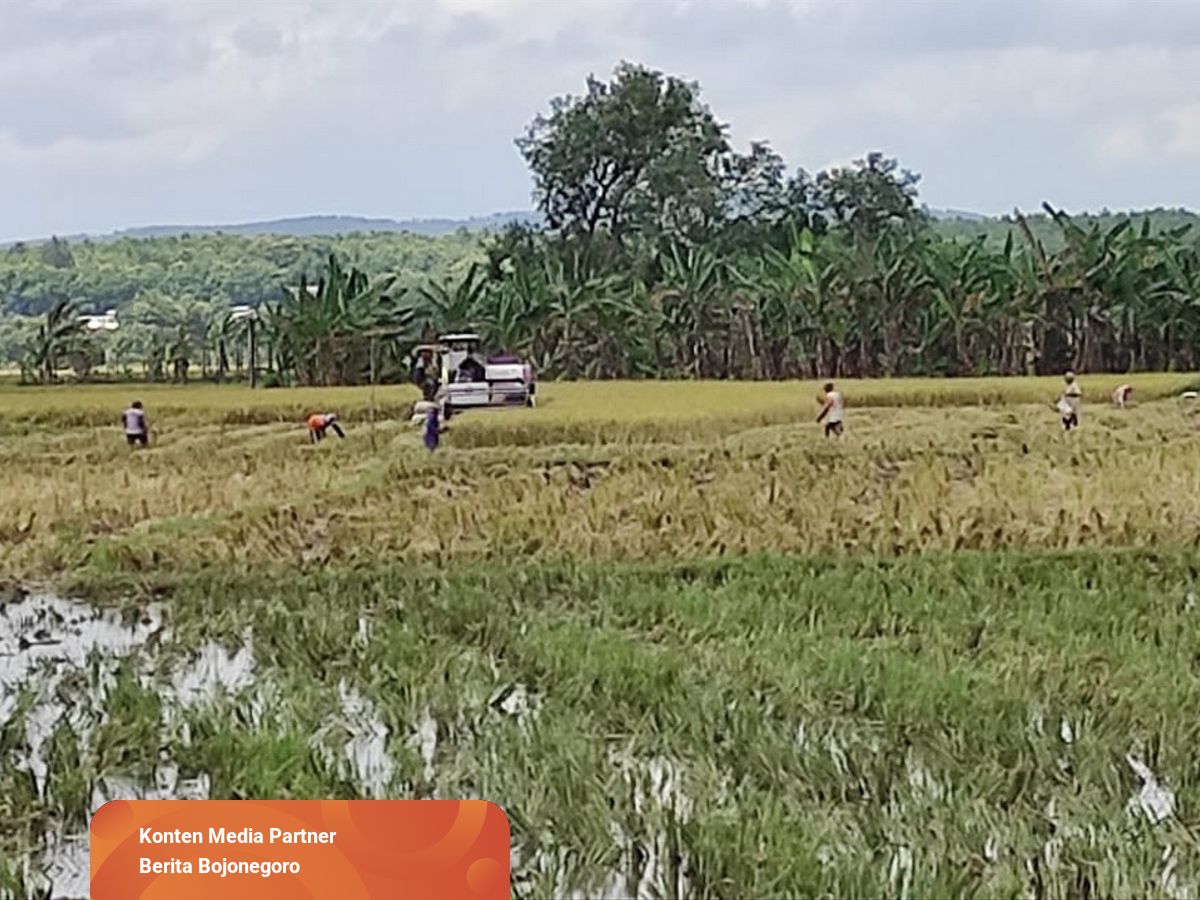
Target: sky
(118,113)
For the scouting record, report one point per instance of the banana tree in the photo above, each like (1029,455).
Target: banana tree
(52,340)
(691,301)
(1178,321)
(516,308)
(452,304)
(576,299)
(962,278)
(794,317)
(321,331)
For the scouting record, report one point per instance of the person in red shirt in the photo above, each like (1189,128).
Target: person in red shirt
(319,423)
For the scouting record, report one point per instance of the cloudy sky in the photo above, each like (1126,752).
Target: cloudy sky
(116,113)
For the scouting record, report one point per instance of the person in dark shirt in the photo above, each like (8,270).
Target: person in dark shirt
(423,368)
(433,429)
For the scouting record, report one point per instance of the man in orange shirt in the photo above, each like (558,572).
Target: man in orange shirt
(318,423)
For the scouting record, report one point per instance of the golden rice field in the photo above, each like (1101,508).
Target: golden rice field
(606,472)
(562,402)
(693,648)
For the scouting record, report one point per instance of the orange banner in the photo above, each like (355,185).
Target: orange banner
(269,850)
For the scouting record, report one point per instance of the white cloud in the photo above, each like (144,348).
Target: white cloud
(115,111)
(1183,131)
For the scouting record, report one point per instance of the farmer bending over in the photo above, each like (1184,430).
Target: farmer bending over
(1121,396)
(136,425)
(318,423)
(833,411)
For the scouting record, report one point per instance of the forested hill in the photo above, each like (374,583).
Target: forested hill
(238,264)
(308,226)
(997,230)
(216,269)
(303,226)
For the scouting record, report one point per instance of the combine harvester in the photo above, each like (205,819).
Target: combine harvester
(469,382)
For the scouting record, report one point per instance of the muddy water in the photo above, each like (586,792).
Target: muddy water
(59,660)
(650,865)
(60,865)
(43,639)
(213,670)
(365,753)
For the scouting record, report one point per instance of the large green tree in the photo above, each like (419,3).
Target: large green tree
(639,154)
(869,196)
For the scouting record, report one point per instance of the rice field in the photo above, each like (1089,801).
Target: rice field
(690,646)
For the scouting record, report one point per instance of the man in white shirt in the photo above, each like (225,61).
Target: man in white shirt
(1121,395)
(833,411)
(136,425)
(1069,403)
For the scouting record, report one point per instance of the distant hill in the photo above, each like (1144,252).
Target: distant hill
(305,226)
(951,223)
(309,226)
(943,215)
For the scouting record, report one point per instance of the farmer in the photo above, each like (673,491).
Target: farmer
(433,428)
(423,368)
(136,425)
(318,423)
(1069,402)
(833,411)
(1120,396)
(427,404)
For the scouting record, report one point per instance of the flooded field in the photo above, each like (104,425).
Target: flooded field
(708,730)
(60,661)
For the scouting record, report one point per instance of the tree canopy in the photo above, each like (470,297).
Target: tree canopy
(637,154)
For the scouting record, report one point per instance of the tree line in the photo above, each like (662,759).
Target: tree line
(665,252)
(174,296)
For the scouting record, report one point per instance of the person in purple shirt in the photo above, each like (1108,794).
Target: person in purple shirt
(136,425)
(433,428)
